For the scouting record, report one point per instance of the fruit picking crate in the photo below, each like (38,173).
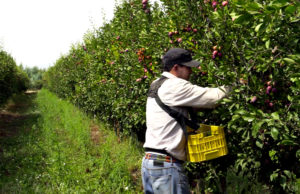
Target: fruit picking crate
(208,143)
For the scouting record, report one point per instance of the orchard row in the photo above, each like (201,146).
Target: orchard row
(250,45)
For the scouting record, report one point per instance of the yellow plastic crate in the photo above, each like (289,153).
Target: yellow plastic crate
(208,143)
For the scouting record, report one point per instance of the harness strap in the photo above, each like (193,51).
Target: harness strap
(179,117)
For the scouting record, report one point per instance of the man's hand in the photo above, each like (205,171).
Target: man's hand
(226,89)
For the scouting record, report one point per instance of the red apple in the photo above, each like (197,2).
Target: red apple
(214,4)
(253,99)
(224,3)
(271,104)
(215,52)
(179,40)
(268,90)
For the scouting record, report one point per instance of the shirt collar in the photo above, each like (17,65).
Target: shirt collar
(168,74)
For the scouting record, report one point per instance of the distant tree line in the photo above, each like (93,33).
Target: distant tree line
(35,76)
(12,78)
(15,79)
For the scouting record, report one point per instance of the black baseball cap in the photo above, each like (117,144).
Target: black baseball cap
(179,56)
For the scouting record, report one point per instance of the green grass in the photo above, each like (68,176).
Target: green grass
(59,149)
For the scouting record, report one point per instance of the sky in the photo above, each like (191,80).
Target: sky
(37,32)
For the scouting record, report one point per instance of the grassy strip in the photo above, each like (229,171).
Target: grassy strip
(20,155)
(68,154)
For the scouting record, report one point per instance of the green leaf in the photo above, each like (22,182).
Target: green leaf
(261,113)
(257,164)
(259,144)
(295,79)
(258,27)
(240,3)
(287,173)
(243,19)
(253,8)
(273,176)
(227,100)
(295,56)
(274,133)
(234,16)
(270,122)
(248,118)
(280,3)
(268,44)
(256,127)
(253,12)
(287,142)
(290,98)
(240,112)
(235,117)
(272,154)
(216,15)
(275,116)
(288,60)
(290,9)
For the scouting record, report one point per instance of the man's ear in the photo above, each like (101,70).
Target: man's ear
(174,69)
(175,66)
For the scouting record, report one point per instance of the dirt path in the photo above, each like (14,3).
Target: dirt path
(19,110)
(15,113)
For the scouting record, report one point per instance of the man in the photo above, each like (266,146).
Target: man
(162,166)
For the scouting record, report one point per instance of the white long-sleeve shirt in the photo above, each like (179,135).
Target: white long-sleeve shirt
(163,131)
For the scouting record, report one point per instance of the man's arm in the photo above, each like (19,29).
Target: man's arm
(178,92)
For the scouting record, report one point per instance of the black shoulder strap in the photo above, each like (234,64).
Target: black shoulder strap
(155,86)
(179,117)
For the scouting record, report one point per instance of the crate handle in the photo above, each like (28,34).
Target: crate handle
(209,155)
(215,132)
(211,152)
